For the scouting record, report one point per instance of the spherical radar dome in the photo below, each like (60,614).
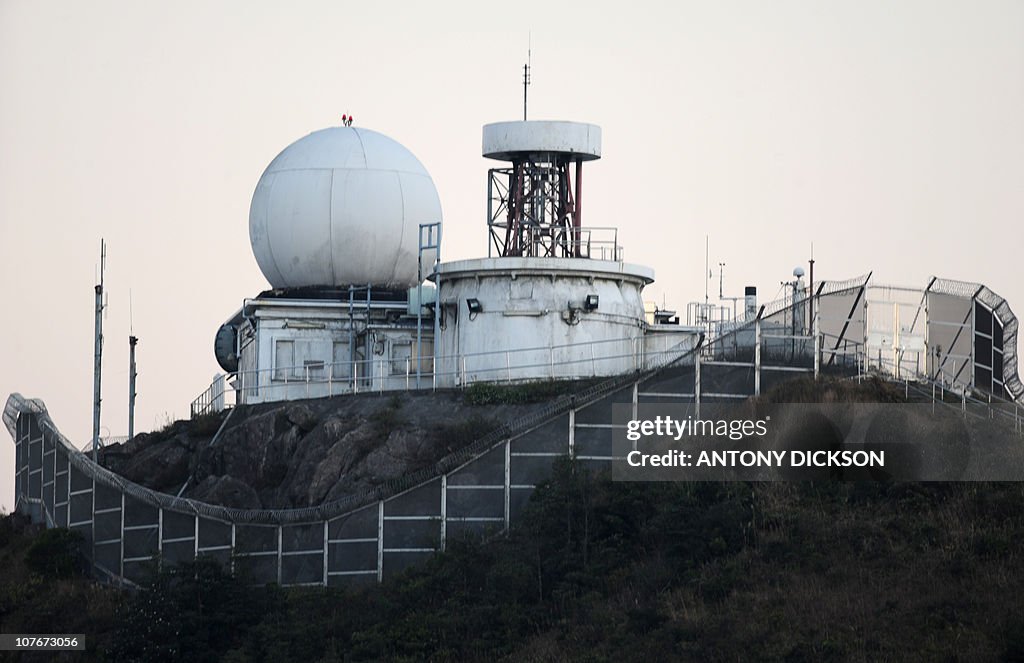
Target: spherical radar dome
(342,206)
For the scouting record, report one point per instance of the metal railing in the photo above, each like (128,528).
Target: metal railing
(378,374)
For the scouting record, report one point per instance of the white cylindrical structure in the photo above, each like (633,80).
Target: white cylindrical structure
(342,206)
(514,318)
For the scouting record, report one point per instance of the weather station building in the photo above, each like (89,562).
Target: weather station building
(345,224)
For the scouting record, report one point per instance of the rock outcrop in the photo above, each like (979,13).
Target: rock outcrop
(303,453)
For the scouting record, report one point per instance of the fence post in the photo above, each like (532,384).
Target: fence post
(572,431)
(508,483)
(380,541)
(817,346)
(696,383)
(508,369)
(444,511)
(757,356)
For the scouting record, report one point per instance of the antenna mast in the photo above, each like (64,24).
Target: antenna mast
(98,354)
(526,76)
(133,340)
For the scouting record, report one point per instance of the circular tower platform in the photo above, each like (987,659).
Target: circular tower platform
(511,141)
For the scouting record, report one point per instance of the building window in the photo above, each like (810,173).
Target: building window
(401,359)
(284,360)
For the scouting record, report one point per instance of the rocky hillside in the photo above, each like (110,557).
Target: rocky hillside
(302,453)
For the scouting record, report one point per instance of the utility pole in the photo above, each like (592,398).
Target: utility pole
(98,355)
(132,374)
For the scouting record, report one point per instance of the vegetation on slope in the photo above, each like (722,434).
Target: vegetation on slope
(597,570)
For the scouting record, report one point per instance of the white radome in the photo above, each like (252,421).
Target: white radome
(342,206)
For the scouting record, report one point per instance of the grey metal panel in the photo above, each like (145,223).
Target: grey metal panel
(589,442)
(35,453)
(517,500)
(422,501)
(301,569)
(730,379)
(356,556)
(81,508)
(108,525)
(35,484)
(47,463)
(107,497)
(356,525)
(48,496)
(596,466)
(80,480)
(488,469)
(108,555)
(178,525)
(530,470)
(214,533)
(139,513)
(302,537)
(60,515)
(85,530)
(258,570)
(549,438)
(601,411)
(178,552)
(412,533)
(671,380)
(476,503)
(62,462)
(255,538)
(140,542)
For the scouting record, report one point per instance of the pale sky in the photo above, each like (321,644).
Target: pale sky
(891,134)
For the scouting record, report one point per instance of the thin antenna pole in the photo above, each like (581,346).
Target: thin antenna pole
(133,340)
(707,277)
(132,375)
(526,72)
(707,268)
(98,355)
(810,291)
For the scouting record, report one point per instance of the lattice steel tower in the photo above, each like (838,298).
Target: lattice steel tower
(534,207)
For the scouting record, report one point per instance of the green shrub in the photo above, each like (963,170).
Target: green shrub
(57,553)
(483,393)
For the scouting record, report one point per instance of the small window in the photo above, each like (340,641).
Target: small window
(284,360)
(401,359)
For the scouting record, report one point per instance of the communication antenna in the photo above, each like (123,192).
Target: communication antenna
(98,353)
(133,340)
(526,72)
(810,289)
